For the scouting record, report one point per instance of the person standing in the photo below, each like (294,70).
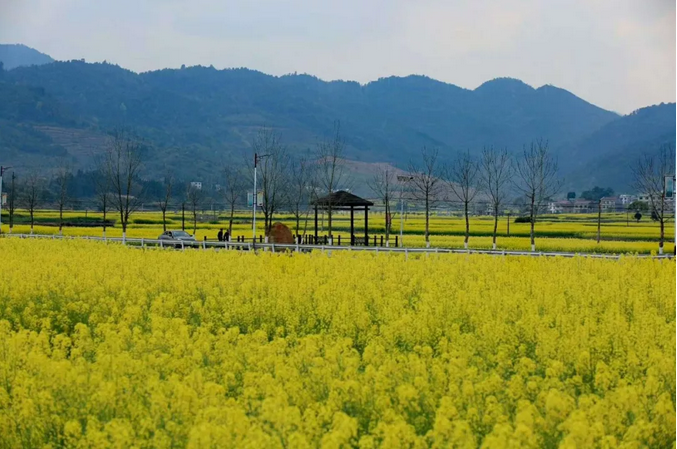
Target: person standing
(219,236)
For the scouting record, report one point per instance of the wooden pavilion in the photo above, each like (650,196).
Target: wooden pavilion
(342,200)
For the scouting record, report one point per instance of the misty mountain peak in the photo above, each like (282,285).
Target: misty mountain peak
(502,86)
(17,55)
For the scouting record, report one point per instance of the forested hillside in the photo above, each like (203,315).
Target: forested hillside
(197,118)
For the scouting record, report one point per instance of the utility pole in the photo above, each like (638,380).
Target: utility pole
(12,198)
(599,219)
(669,192)
(254,202)
(255,198)
(2,172)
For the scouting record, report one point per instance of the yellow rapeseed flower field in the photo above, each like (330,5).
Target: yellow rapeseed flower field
(109,346)
(561,233)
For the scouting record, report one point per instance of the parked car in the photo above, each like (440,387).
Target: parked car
(181,236)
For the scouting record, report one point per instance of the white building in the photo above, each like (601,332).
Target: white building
(196,185)
(626,199)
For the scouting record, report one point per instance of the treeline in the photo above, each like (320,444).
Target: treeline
(294,184)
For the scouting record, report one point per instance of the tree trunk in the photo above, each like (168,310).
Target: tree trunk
(104,221)
(533,222)
(467,226)
(60,219)
(427,222)
(599,220)
(124,226)
(493,243)
(329,217)
(230,221)
(660,244)
(164,221)
(305,223)
(662,223)
(387,223)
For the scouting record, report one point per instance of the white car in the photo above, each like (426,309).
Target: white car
(181,236)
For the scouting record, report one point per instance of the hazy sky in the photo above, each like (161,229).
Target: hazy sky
(618,54)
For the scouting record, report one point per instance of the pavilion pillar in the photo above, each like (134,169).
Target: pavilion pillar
(366,225)
(315,242)
(352,225)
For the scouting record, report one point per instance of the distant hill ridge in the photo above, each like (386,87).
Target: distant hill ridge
(17,55)
(198,118)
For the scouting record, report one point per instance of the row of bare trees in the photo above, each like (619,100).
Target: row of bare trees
(285,182)
(29,192)
(293,183)
(494,174)
(532,174)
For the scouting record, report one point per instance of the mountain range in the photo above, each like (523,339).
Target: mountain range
(197,119)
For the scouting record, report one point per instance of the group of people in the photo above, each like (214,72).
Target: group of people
(223,236)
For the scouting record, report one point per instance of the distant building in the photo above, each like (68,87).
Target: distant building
(626,199)
(572,207)
(559,207)
(196,185)
(644,197)
(669,204)
(611,204)
(584,206)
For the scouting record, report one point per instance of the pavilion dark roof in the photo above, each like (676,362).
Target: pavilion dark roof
(342,198)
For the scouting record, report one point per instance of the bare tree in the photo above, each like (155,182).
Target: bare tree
(301,175)
(649,172)
(164,202)
(536,179)
(63,175)
(382,184)
(331,170)
(495,175)
(461,178)
(272,163)
(32,189)
(102,192)
(194,197)
(314,190)
(233,190)
(426,184)
(121,165)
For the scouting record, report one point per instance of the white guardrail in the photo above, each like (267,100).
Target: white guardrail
(276,247)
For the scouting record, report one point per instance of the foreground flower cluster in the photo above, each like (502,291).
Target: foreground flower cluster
(106,346)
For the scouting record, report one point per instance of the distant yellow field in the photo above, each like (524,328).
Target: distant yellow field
(572,232)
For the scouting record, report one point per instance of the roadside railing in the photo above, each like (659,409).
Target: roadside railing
(277,247)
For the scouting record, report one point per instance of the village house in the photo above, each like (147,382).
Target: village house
(646,198)
(572,207)
(611,204)
(626,199)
